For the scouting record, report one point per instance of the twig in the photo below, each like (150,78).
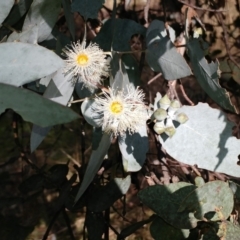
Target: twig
(107,220)
(45,237)
(112,228)
(154,78)
(184,93)
(199,8)
(121,215)
(196,171)
(70,158)
(67,220)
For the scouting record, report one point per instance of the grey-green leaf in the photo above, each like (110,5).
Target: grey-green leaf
(132,69)
(229,231)
(89,114)
(44,14)
(134,227)
(160,230)
(165,201)
(94,164)
(5,7)
(95,224)
(212,201)
(21,63)
(33,107)
(28,36)
(123,31)
(69,17)
(59,90)
(207,75)
(134,148)
(19,9)
(207,140)
(162,55)
(104,197)
(87,8)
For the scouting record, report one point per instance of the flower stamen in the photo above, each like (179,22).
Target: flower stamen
(86,64)
(82,59)
(116,107)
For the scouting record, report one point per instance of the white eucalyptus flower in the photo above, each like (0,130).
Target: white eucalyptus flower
(121,111)
(86,64)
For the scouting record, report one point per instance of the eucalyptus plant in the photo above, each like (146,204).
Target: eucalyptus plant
(115,106)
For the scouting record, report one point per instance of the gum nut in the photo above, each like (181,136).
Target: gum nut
(170,131)
(165,102)
(159,127)
(160,114)
(181,118)
(175,104)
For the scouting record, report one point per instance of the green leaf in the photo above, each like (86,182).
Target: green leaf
(59,90)
(123,31)
(134,227)
(19,9)
(134,148)
(162,55)
(132,69)
(104,197)
(165,201)
(213,201)
(34,108)
(43,14)
(207,140)
(95,224)
(207,75)
(69,17)
(94,164)
(82,91)
(21,63)
(87,8)
(161,230)
(5,7)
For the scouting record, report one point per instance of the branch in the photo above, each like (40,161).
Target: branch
(201,9)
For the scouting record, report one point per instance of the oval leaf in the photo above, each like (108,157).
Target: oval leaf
(21,63)
(213,201)
(123,31)
(207,140)
(160,228)
(165,201)
(87,8)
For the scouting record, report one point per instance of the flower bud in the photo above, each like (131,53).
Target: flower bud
(181,118)
(159,127)
(165,102)
(160,114)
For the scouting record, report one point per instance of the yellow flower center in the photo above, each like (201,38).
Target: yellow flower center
(82,59)
(116,107)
